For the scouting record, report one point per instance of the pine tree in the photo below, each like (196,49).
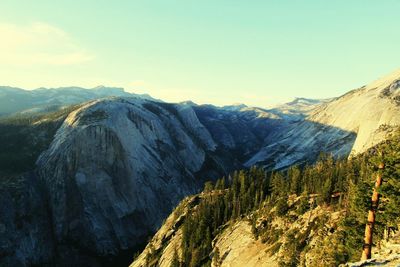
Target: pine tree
(371,216)
(304,204)
(278,187)
(281,206)
(208,186)
(294,176)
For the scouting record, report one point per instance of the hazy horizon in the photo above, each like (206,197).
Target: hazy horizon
(260,53)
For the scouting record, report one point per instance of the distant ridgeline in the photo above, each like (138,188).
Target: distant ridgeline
(273,202)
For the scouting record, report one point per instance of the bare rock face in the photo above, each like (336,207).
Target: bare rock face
(365,112)
(117,167)
(347,125)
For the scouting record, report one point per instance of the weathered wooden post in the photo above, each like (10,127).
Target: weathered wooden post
(366,254)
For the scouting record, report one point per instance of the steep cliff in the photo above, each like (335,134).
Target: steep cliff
(116,168)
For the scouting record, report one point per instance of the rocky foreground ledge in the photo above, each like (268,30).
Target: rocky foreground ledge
(388,255)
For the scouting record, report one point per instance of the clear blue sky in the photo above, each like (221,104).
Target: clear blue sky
(210,51)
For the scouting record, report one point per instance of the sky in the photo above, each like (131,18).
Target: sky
(210,51)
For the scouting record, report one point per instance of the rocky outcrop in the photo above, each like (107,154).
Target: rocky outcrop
(237,246)
(387,254)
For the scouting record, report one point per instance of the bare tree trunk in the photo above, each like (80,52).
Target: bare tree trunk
(366,254)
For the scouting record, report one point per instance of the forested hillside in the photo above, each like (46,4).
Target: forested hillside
(24,137)
(339,187)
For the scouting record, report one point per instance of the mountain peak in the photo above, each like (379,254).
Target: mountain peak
(297,100)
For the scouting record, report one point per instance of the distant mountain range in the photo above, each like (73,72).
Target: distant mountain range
(13,100)
(46,99)
(299,108)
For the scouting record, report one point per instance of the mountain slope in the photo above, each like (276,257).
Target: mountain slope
(369,111)
(349,124)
